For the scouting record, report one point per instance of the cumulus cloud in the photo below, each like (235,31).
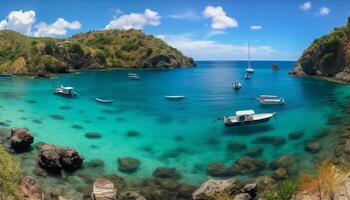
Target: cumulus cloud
(219,18)
(255,27)
(24,22)
(212,50)
(21,21)
(59,27)
(135,20)
(324,11)
(306,6)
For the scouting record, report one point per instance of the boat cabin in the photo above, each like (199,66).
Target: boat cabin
(67,91)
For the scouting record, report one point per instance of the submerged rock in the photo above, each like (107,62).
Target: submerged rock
(236,146)
(295,135)
(247,165)
(93,135)
(255,152)
(31,189)
(54,158)
(209,189)
(128,164)
(166,172)
(20,139)
(218,169)
(312,147)
(132,195)
(274,140)
(132,133)
(280,174)
(104,189)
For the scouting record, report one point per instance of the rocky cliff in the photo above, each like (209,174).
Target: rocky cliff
(24,55)
(327,56)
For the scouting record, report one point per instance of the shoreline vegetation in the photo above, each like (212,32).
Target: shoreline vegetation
(93,50)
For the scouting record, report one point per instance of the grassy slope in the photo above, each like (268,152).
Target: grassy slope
(21,54)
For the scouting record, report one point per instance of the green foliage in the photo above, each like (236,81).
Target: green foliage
(284,190)
(75,48)
(101,57)
(327,59)
(49,47)
(149,52)
(10,175)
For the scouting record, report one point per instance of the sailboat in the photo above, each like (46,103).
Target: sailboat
(249,68)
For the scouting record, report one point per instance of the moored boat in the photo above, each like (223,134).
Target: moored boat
(65,91)
(247,76)
(174,97)
(5,74)
(107,101)
(247,117)
(133,76)
(271,100)
(236,85)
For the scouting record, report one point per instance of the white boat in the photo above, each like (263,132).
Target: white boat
(65,91)
(133,76)
(236,86)
(271,100)
(104,100)
(5,74)
(175,97)
(249,68)
(247,76)
(247,117)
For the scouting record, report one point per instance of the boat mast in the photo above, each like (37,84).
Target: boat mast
(248,56)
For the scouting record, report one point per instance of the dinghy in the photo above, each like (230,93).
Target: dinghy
(271,100)
(174,97)
(247,76)
(104,100)
(133,76)
(5,74)
(247,117)
(236,86)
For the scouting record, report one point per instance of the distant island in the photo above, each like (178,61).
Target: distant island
(105,49)
(327,56)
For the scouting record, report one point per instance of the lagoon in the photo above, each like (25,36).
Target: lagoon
(185,134)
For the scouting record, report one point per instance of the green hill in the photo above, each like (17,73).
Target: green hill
(328,56)
(107,49)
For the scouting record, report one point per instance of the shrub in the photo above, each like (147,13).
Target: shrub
(76,49)
(10,175)
(149,52)
(49,47)
(284,190)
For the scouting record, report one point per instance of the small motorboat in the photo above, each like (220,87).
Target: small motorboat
(65,91)
(271,100)
(107,101)
(174,97)
(247,117)
(236,85)
(133,76)
(5,74)
(247,76)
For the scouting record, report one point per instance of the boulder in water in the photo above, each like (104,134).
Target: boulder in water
(218,169)
(103,189)
(31,189)
(312,147)
(20,139)
(128,164)
(210,188)
(166,172)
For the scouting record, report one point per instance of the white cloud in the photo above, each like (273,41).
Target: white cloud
(306,6)
(58,28)
(215,32)
(219,18)
(255,27)
(19,21)
(213,50)
(324,11)
(135,20)
(24,22)
(190,15)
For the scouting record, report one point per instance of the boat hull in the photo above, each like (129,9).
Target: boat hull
(248,122)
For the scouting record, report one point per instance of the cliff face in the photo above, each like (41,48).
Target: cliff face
(24,55)
(327,56)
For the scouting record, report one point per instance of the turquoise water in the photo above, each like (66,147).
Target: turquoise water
(182,134)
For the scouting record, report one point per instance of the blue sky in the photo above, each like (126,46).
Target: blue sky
(205,30)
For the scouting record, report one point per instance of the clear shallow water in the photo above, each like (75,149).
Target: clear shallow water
(140,106)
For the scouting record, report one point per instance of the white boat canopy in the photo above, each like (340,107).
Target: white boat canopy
(245,112)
